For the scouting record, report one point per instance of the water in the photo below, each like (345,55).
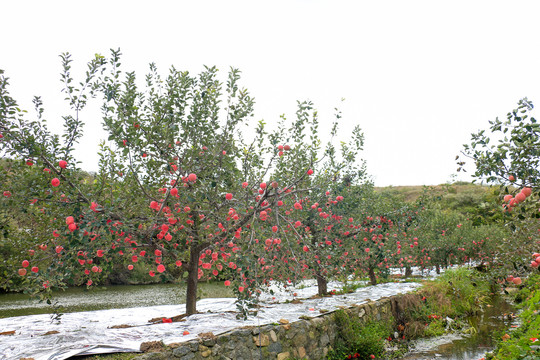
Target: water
(110,297)
(453,347)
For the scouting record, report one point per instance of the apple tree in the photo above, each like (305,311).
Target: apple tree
(508,154)
(182,185)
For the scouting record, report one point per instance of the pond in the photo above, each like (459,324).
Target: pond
(109,297)
(495,318)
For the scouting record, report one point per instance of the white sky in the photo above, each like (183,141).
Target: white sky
(418,76)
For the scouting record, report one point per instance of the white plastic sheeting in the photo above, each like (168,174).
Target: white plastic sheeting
(86,333)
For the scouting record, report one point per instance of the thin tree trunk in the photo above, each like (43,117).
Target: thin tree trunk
(372,277)
(438,269)
(322,284)
(408,271)
(192,281)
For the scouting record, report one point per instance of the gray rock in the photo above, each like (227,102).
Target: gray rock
(275,347)
(189,356)
(153,356)
(209,342)
(324,340)
(181,351)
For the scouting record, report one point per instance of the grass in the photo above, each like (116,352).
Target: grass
(115,356)
(456,294)
(357,339)
(413,192)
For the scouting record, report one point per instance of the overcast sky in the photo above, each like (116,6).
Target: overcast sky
(418,76)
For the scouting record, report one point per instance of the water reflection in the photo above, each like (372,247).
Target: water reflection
(110,297)
(472,347)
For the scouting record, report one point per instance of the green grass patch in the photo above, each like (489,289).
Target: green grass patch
(115,356)
(456,294)
(358,339)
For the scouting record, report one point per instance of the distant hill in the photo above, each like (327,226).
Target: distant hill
(480,203)
(456,190)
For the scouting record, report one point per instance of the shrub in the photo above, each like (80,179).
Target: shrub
(357,337)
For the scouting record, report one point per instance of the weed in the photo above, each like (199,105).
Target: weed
(115,356)
(455,294)
(435,328)
(355,337)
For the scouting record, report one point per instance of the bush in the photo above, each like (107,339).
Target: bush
(358,338)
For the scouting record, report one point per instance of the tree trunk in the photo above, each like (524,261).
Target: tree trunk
(372,277)
(322,284)
(437,269)
(408,271)
(192,281)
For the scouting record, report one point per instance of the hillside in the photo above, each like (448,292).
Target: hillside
(449,191)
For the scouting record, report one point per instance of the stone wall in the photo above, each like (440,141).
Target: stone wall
(309,338)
